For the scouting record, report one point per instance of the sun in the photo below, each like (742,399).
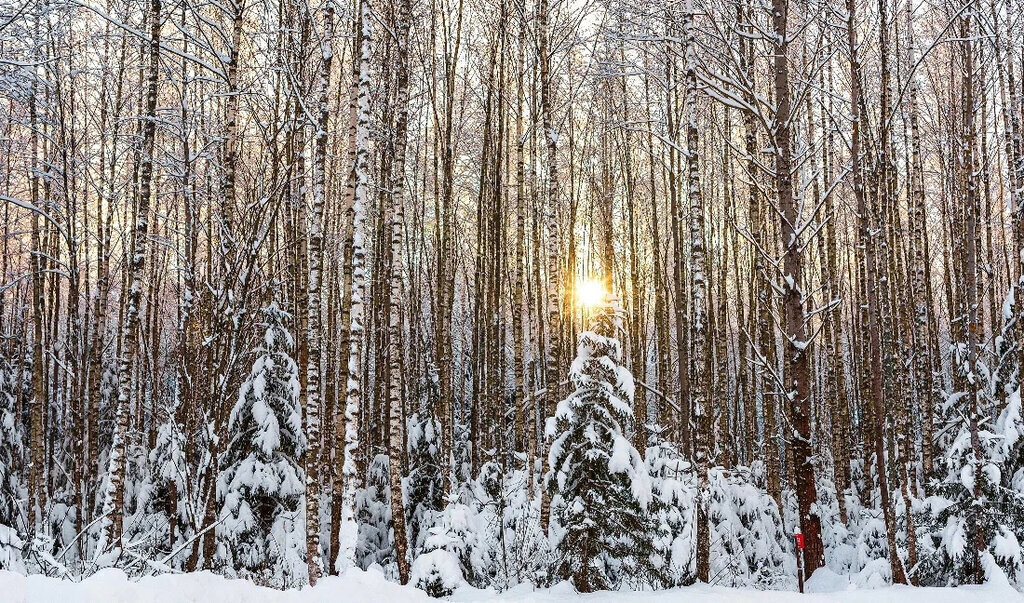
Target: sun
(590,293)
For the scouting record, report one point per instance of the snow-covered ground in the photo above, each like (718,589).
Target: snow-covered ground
(113,586)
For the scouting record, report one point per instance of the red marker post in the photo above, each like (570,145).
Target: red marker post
(799,537)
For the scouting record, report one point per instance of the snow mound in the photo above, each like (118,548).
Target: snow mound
(113,586)
(825,580)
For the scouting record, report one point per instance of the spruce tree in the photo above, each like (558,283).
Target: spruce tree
(978,508)
(168,471)
(747,534)
(11,490)
(672,511)
(10,446)
(1006,546)
(373,516)
(261,488)
(600,488)
(425,484)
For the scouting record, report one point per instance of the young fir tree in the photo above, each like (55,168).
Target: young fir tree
(600,489)
(10,484)
(373,516)
(978,508)
(260,491)
(672,511)
(1006,546)
(10,445)
(425,485)
(166,486)
(747,532)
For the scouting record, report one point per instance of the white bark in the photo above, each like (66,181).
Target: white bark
(349,531)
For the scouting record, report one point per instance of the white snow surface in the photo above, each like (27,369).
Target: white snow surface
(113,586)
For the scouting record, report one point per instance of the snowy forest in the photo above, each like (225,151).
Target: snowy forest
(634,294)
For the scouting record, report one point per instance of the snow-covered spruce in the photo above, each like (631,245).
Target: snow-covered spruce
(977,509)
(672,510)
(11,490)
(456,552)
(462,544)
(600,488)
(424,487)
(373,515)
(748,539)
(261,487)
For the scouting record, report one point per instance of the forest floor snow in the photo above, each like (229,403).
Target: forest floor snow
(113,586)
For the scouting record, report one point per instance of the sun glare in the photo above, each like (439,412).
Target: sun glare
(590,293)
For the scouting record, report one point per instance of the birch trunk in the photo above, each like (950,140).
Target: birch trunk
(348,533)
(111,528)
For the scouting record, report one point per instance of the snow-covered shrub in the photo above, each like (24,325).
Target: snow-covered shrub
(1006,546)
(11,547)
(261,487)
(513,520)
(853,549)
(437,572)
(490,528)
(749,542)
